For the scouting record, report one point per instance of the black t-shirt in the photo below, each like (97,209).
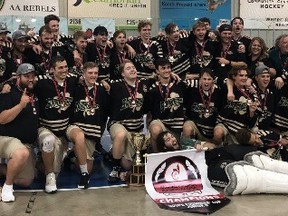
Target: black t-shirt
(24,126)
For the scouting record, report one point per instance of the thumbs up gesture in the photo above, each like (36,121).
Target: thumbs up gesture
(24,99)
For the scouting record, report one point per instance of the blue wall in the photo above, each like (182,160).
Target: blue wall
(184,12)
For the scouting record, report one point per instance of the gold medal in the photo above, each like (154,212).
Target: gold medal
(92,111)
(34,111)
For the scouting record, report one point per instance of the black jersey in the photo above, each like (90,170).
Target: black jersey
(116,59)
(265,110)
(245,40)
(235,114)
(144,55)
(252,64)
(24,126)
(77,67)
(231,54)
(55,102)
(101,56)
(202,107)
(177,55)
(42,61)
(127,104)
(12,62)
(167,104)
(90,110)
(280,119)
(202,55)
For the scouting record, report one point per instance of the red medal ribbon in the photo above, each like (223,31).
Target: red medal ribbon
(205,102)
(92,103)
(60,98)
(168,89)
(224,52)
(132,94)
(198,52)
(101,54)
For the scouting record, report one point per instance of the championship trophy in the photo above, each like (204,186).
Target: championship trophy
(137,177)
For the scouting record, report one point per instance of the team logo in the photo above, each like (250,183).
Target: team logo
(2,4)
(177,175)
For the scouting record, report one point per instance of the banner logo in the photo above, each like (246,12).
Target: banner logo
(177,174)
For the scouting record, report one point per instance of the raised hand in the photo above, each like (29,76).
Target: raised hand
(24,99)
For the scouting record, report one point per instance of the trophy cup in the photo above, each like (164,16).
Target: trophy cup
(137,177)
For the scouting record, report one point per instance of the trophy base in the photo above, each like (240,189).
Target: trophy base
(137,176)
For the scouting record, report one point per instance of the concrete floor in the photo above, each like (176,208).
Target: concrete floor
(126,201)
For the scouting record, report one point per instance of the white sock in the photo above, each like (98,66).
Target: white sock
(7,187)
(83,168)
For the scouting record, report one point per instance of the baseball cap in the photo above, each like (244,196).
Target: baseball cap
(18,34)
(3,28)
(25,68)
(261,69)
(225,27)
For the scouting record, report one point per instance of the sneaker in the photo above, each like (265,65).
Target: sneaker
(7,194)
(84,181)
(50,186)
(114,176)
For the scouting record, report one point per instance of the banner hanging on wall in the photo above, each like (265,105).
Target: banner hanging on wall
(29,7)
(185,12)
(86,24)
(178,181)
(109,8)
(264,14)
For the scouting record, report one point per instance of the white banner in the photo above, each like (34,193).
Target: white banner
(109,8)
(85,23)
(178,181)
(264,14)
(29,7)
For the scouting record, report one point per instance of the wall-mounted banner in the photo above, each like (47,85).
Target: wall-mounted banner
(84,24)
(185,12)
(109,8)
(178,181)
(29,7)
(270,14)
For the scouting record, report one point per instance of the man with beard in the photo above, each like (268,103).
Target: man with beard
(279,57)
(42,60)
(15,56)
(18,131)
